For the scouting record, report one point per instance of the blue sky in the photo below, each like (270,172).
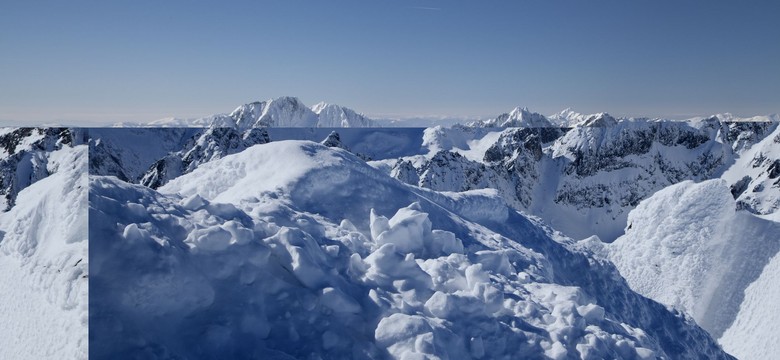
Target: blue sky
(107,61)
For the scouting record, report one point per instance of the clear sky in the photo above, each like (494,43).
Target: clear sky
(95,61)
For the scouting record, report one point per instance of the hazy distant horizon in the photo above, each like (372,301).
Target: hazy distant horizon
(118,61)
(107,119)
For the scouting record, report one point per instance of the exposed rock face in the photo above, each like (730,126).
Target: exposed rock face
(755,177)
(212,144)
(597,171)
(334,140)
(24,158)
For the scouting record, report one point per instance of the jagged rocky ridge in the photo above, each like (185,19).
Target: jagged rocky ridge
(212,144)
(24,157)
(592,173)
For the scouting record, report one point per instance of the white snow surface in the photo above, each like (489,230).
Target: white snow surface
(758,318)
(295,250)
(44,264)
(687,246)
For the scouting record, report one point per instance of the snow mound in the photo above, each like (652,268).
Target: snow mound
(44,264)
(292,249)
(687,246)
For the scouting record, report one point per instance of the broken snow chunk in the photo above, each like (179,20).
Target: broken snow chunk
(557,351)
(440,305)
(475,276)
(399,328)
(133,233)
(194,202)
(592,313)
(407,231)
(225,211)
(424,344)
(137,210)
(347,225)
(331,250)
(645,353)
(213,238)
(339,302)
(305,268)
(378,224)
(444,243)
(495,261)
(238,232)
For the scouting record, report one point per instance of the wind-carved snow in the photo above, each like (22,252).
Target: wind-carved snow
(44,263)
(688,247)
(292,249)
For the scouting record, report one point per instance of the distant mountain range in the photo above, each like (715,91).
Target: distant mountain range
(290,111)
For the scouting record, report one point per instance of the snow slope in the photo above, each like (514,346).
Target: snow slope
(44,264)
(292,249)
(688,247)
(749,336)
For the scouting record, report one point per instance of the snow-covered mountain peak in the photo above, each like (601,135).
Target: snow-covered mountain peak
(318,107)
(331,115)
(729,117)
(518,117)
(284,111)
(599,120)
(522,117)
(566,118)
(570,118)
